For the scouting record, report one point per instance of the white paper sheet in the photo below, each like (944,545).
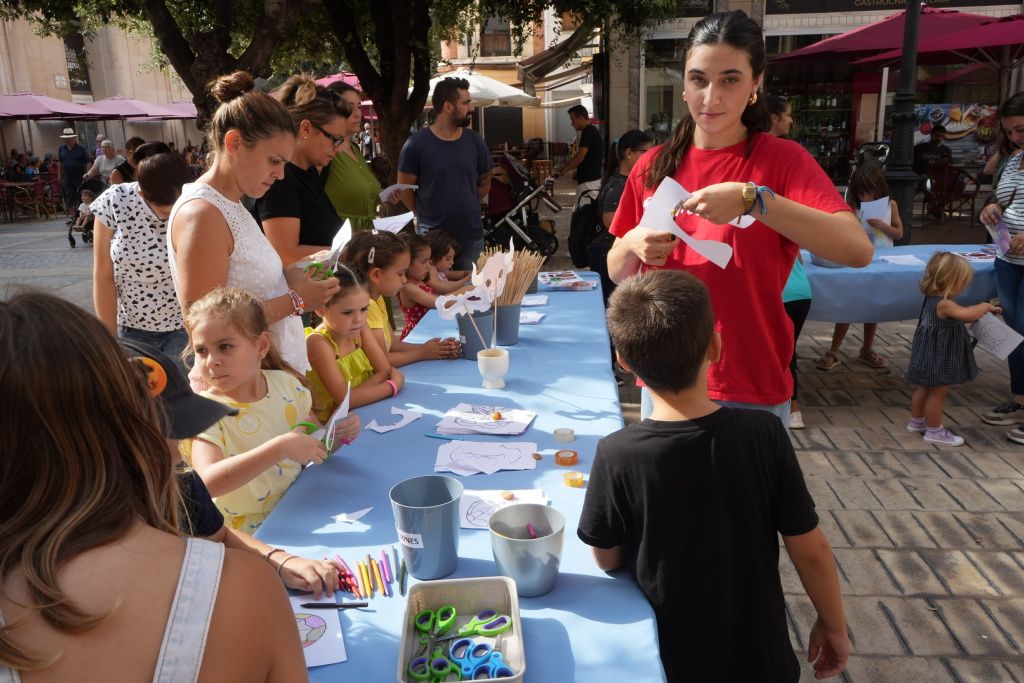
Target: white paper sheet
(404,418)
(340,413)
(530,317)
(981,256)
(352,517)
(387,192)
(467,418)
(902,260)
(477,506)
(392,223)
(995,336)
(659,216)
(466,458)
(879,208)
(319,632)
(341,238)
(535,300)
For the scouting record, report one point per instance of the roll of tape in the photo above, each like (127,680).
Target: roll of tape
(564,435)
(573,479)
(566,458)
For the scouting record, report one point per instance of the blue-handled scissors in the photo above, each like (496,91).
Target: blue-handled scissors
(487,623)
(478,659)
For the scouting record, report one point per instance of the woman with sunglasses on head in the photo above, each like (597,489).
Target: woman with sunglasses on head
(348,181)
(296,215)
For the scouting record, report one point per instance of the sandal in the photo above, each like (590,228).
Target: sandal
(829,361)
(869,357)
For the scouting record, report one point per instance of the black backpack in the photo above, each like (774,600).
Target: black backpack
(584,226)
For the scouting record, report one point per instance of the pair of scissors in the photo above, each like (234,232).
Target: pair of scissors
(487,623)
(321,270)
(432,624)
(436,668)
(478,659)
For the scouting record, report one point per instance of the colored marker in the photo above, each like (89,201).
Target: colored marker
(533,532)
(333,605)
(366,580)
(384,570)
(440,436)
(377,577)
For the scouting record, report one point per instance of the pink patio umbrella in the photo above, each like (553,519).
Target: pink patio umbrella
(184,110)
(345,76)
(26,105)
(120,107)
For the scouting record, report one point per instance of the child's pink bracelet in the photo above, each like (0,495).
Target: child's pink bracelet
(394,386)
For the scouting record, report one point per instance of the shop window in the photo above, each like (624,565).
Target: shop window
(664,60)
(496,38)
(78,67)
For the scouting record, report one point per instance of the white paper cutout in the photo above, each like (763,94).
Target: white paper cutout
(340,413)
(535,300)
(660,215)
(389,191)
(492,276)
(530,317)
(405,417)
(901,260)
(319,632)
(995,336)
(879,208)
(450,305)
(352,517)
(341,238)
(467,418)
(393,224)
(466,458)
(477,506)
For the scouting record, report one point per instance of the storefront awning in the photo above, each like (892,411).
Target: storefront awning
(533,69)
(561,78)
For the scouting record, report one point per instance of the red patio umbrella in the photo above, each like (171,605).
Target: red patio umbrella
(120,106)
(26,105)
(995,43)
(345,76)
(887,34)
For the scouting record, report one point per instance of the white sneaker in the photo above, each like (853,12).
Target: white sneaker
(796,420)
(943,437)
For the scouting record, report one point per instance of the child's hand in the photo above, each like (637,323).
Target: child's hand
(994,309)
(879,224)
(439,349)
(398,377)
(828,650)
(316,576)
(991,214)
(302,448)
(346,430)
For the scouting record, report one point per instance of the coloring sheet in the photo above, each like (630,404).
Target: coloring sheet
(878,208)
(995,336)
(535,300)
(902,260)
(477,506)
(980,256)
(319,631)
(404,418)
(392,223)
(550,278)
(467,418)
(484,457)
(388,192)
(530,317)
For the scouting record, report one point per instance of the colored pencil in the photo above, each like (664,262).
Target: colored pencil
(347,573)
(384,566)
(367,585)
(401,577)
(333,605)
(377,577)
(394,567)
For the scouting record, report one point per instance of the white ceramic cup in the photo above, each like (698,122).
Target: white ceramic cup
(493,364)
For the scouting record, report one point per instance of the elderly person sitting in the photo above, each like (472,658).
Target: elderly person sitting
(105,164)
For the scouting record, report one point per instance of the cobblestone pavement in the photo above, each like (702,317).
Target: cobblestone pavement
(929,540)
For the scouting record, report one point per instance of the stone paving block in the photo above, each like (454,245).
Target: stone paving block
(845,439)
(875,416)
(930,495)
(987,531)
(815,463)
(1006,491)
(822,494)
(911,573)
(842,418)
(958,573)
(812,438)
(974,628)
(894,669)
(892,494)
(854,494)
(921,627)
(978,436)
(811,398)
(862,573)
(946,529)
(871,632)
(980,670)
(866,397)
(838,397)
(1009,614)
(993,466)
(833,532)
(878,437)
(973,498)
(884,463)
(862,529)
(955,463)
(848,464)
(1013,522)
(1000,569)
(920,465)
(908,441)
(904,529)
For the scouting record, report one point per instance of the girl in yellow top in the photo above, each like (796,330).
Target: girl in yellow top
(384,258)
(344,351)
(249,460)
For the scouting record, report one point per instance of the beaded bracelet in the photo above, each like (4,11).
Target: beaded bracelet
(298,305)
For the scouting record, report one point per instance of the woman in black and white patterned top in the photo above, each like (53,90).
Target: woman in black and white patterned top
(1008,209)
(133,292)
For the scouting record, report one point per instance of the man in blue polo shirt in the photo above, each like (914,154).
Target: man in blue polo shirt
(452,166)
(73,160)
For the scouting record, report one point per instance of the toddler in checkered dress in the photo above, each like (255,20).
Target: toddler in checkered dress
(942,353)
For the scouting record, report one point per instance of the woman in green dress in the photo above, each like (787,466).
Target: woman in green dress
(351,187)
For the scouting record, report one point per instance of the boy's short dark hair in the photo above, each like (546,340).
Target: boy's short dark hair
(661,323)
(447,90)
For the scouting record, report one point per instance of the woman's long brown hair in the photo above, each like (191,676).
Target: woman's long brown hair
(82,457)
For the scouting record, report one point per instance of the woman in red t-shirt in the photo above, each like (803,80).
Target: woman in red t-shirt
(719,147)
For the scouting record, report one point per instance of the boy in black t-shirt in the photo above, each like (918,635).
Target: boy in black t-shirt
(692,499)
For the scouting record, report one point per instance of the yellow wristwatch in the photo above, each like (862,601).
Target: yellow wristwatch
(749,197)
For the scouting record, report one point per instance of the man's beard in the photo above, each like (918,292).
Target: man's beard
(465,122)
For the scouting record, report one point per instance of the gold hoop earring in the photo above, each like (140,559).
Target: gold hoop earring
(753,99)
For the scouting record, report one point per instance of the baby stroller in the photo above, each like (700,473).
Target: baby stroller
(85,227)
(512,210)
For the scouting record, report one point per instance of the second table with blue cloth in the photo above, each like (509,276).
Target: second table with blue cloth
(885,291)
(591,626)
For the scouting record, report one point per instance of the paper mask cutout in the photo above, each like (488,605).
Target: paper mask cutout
(660,215)
(341,238)
(450,305)
(492,276)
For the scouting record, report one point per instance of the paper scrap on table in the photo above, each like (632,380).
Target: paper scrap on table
(319,632)
(405,417)
(660,215)
(530,317)
(392,223)
(352,517)
(980,256)
(477,506)
(388,192)
(901,260)
(466,458)
(995,336)
(467,418)
(535,300)
(879,208)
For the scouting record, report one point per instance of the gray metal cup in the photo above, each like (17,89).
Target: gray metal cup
(427,519)
(468,335)
(531,562)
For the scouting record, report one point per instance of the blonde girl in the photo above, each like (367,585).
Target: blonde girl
(249,460)
(385,258)
(344,351)
(941,353)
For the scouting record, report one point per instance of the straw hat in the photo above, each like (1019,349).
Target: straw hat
(68,133)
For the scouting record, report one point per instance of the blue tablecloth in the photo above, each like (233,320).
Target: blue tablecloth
(883,291)
(592,626)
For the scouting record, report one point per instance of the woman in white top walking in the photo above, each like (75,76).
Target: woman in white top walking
(214,241)
(105,163)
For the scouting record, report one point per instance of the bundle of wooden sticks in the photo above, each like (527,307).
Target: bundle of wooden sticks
(525,266)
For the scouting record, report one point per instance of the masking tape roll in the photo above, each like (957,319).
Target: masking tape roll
(573,479)
(566,458)
(564,435)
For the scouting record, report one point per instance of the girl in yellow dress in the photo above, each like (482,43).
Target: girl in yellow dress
(249,460)
(343,351)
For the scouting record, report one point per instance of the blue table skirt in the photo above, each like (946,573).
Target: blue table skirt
(592,626)
(885,292)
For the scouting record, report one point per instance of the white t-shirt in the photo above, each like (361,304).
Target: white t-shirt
(106,166)
(138,250)
(1010,195)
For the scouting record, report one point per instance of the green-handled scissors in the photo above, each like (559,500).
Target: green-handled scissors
(487,623)
(321,270)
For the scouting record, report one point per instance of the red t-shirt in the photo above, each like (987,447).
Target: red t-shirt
(757,335)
